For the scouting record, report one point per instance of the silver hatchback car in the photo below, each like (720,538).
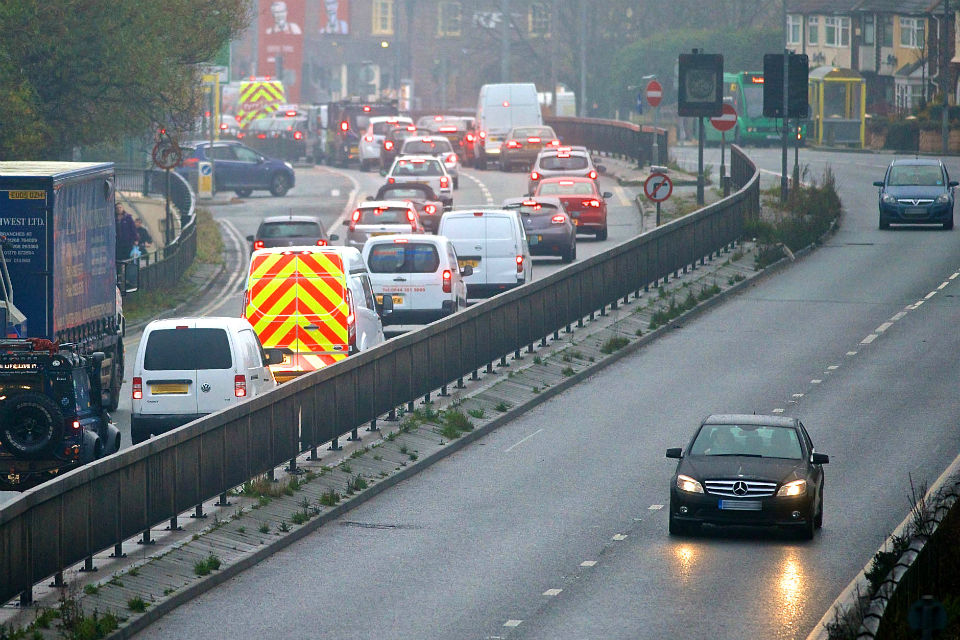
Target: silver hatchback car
(381,218)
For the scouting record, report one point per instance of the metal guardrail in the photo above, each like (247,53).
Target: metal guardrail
(71,518)
(163,268)
(615,137)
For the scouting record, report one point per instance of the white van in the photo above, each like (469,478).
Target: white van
(502,107)
(493,243)
(189,367)
(420,272)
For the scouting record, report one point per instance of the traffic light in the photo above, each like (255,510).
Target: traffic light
(798,75)
(700,84)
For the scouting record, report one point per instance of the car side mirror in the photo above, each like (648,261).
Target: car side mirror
(385,307)
(369,197)
(819,458)
(878,183)
(466,270)
(275,355)
(953,183)
(607,194)
(333,237)
(249,238)
(675,453)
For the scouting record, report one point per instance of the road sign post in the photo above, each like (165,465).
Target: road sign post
(654,94)
(724,122)
(658,187)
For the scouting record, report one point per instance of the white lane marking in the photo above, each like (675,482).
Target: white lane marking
(833,367)
(483,188)
(815,381)
(898,316)
(512,623)
(619,536)
(929,295)
(798,395)
(588,563)
(870,338)
(883,327)
(918,303)
(778,410)
(851,353)
(942,285)
(655,507)
(552,592)
(517,444)
(621,194)
(953,276)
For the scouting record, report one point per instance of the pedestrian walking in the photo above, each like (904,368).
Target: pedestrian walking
(144,239)
(126,233)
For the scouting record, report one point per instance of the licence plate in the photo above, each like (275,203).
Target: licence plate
(915,211)
(396,299)
(168,388)
(740,505)
(472,263)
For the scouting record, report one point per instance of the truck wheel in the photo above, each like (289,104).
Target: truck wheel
(31,425)
(279,185)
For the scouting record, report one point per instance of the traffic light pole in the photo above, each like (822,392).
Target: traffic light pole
(783,132)
(700,199)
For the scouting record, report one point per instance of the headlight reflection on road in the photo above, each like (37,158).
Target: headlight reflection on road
(790,583)
(685,557)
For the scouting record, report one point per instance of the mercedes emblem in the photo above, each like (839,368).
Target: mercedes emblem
(740,487)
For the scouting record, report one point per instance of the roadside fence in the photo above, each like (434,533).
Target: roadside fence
(644,143)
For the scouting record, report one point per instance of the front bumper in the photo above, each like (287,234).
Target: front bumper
(903,214)
(705,508)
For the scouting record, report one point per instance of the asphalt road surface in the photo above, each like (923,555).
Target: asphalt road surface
(554,526)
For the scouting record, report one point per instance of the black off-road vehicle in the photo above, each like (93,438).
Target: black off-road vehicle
(51,414)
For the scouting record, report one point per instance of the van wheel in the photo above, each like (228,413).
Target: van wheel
(30,425)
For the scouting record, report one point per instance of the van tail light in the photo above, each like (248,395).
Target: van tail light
(430,209)
(240,386)
(451,158)
(190,162)
(519,264)
(354,219)
(534,175)
(368,138)
(138,388)
(592,175)
(558,219)
(321,242)
(447,281)
(388,144)
(297,135)
(258,244)
(469,137)
(483,134)
(412,218)
(513,144)
(444,182)
(351,322)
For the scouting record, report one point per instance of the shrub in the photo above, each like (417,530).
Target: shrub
(614,344)
(137,604)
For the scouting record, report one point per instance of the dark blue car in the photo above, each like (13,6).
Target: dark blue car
(916,191)
(237,168)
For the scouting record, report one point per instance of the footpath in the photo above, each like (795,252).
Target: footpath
(136,583)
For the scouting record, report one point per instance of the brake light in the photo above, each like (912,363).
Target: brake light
(258,244)
(533,139)
(390,180)
(529,203)
(239,386)
(321,242)
(191,162)
(438,118)
(261,135)
(558,219)
(447,281)
(519,264)
(592,203)
(478,213)
(444,181)
(567,183)
(411,127)
(469,137)
(354,219)
(75,425)
(400,241)
(297,135)
(451,158)
(513,144)
(223,127)
(534,175)
(430,209)
(506,103)
(592,175)
(240,135)
(366,108)
(388,144)
(483,134)
(138,388)
(344,126)
(554,143)
(448,129)
(412,218)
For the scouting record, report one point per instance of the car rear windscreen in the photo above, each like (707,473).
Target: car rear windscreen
(187,349)
(565,189)
(406,257)
(383,215)
(424,168)
(290,230)
(556,163)
(418,147)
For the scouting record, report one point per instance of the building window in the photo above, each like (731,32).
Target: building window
(793,29)
(448,19)
(539,19)
(813,23)
(911,33)
(886,31)
(869,29)
(836,32)
(382,17)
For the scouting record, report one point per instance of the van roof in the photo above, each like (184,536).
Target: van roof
(408,237)
(196,322)
(478,211)
(350,255)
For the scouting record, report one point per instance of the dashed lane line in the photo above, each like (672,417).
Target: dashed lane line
(487,196)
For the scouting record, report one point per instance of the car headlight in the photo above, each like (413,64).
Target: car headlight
(943,198)
(688,484)
(889,199)
(289,166)
(792,489)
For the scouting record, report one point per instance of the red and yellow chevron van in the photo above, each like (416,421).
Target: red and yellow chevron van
(314,303)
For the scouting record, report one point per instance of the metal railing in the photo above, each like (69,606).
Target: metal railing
(163,268)
(645,144)
(71,518)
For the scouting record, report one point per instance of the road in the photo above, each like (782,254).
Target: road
(553,526)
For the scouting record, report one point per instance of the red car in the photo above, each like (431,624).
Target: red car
(583,201)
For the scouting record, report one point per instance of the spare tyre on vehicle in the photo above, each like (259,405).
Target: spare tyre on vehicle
(31,425)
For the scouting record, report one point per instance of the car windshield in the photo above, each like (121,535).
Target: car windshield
(290,230)
(565,189)
(427,147)
(558,163)
(915,175)
(419,168)
(405,257)
(383,215)
(747,440)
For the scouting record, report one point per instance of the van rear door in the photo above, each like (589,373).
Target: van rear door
(502,249)
(468,235)
(321,311)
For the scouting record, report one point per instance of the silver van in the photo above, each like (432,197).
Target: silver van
(502,107)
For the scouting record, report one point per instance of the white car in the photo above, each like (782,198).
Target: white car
(437,146)
(421,272)
(372,140)
(425,170)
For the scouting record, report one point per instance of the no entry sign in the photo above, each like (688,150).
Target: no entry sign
(727,120)
(654,93)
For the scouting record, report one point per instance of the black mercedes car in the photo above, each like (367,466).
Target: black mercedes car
(754,470)
(916,191)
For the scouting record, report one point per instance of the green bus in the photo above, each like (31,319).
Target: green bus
(744,90)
